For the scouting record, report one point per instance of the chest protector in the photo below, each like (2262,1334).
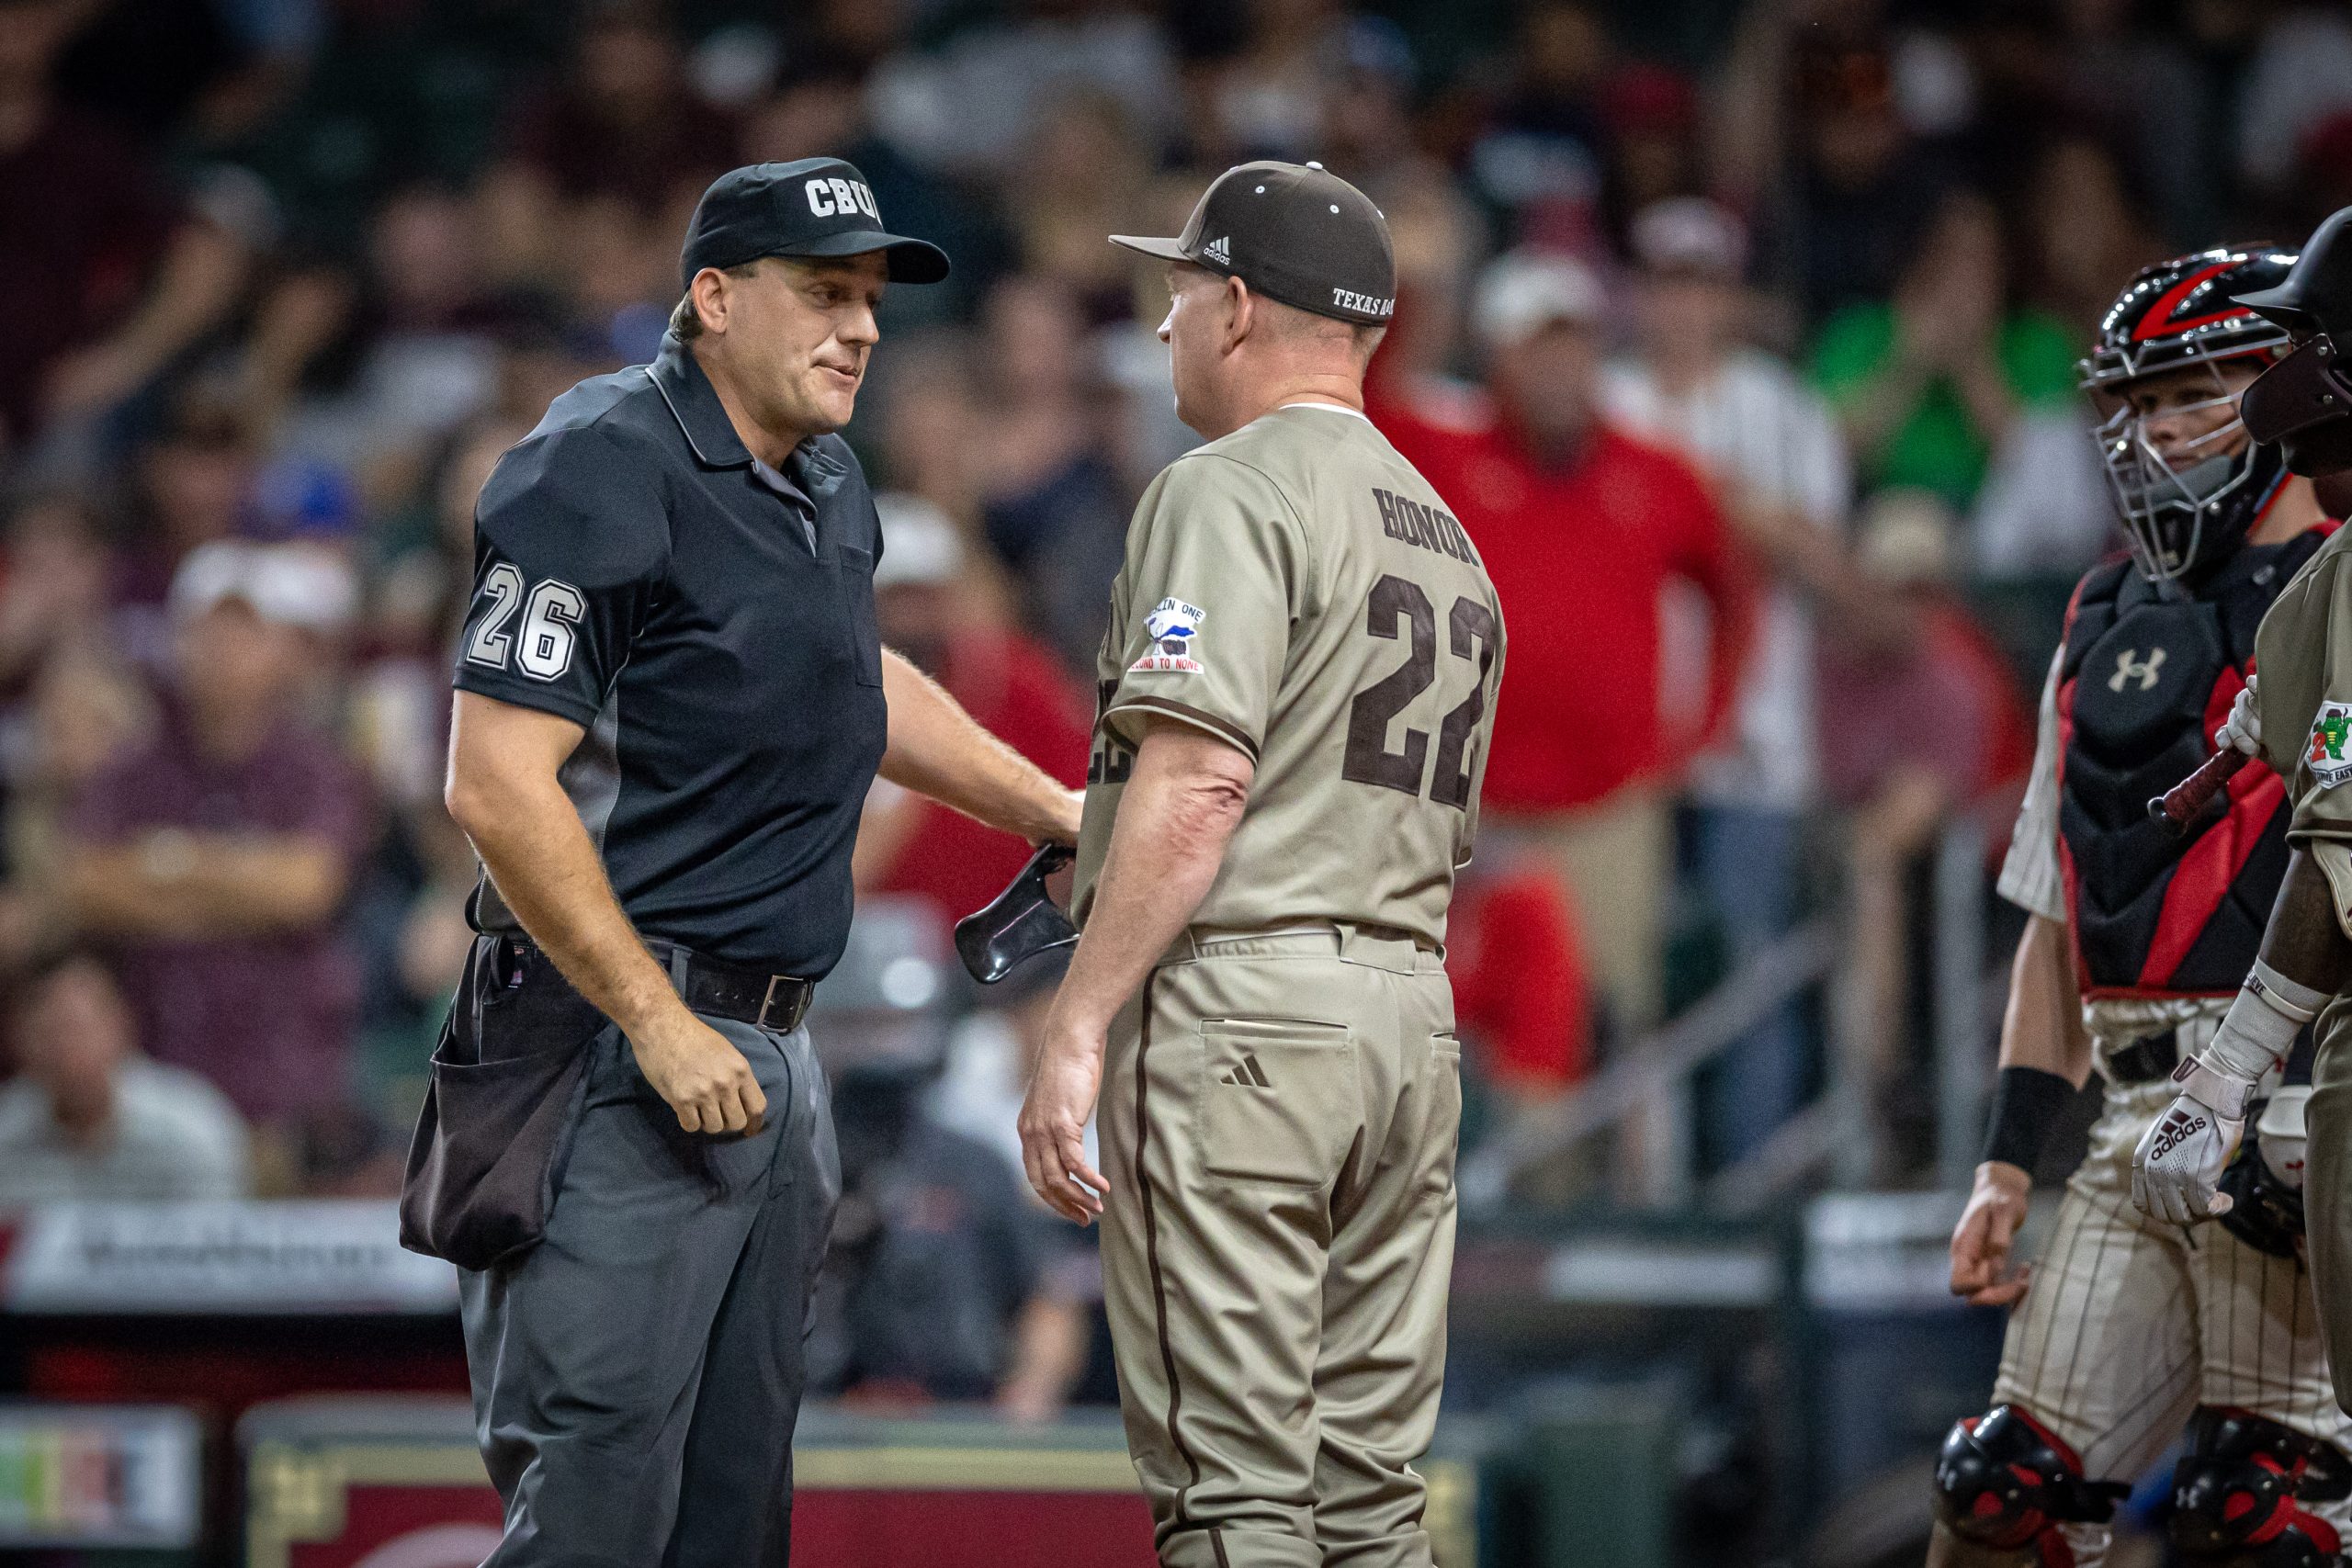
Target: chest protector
(2147,676)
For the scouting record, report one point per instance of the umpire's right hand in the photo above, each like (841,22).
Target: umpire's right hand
(701,1075)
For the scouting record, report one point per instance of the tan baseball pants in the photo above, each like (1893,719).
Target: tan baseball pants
(1278,1124)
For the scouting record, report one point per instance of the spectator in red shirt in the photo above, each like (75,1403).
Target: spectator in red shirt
(932,610)
(1584,530)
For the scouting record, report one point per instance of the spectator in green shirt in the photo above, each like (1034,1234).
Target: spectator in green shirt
(1929,382)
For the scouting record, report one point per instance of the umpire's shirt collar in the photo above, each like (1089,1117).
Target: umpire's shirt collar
(683,385)
(694,401)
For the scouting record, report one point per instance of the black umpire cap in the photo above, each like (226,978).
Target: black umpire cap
(1294,232)
(815,207)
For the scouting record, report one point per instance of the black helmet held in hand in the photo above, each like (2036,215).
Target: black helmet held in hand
(2303,404)
(2188,481)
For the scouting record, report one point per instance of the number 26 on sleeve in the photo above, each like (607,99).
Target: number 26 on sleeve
(546,641)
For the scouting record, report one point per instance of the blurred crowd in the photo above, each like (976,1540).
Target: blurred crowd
(1741,339)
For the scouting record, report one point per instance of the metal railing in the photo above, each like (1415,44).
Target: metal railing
(1645,1096)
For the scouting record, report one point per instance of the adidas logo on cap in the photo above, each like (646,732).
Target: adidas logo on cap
(1219,250)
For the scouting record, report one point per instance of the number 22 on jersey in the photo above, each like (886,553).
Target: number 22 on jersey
(1400,609)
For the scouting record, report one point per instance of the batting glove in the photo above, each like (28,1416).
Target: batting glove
(2242,728)
(2176,1170)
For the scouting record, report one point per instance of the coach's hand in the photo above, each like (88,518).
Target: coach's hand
(701,1075)
(1981,1270)
(2176,1170)
(1053,1120)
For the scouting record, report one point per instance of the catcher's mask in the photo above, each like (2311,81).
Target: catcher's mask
(2187,502)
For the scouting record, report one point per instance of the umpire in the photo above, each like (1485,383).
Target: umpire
(670,703)
(1303,655)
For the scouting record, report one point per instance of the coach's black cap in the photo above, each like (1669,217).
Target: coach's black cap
(817,207)
(1299,235)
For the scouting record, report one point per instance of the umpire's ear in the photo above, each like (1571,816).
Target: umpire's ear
(706,297)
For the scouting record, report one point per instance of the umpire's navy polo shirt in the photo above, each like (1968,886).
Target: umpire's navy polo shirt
(709,622)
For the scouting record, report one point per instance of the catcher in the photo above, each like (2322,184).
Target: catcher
(2137,938)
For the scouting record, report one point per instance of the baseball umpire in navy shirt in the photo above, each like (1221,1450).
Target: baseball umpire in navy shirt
(670,703)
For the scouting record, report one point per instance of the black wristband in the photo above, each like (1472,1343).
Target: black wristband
(2026,1102)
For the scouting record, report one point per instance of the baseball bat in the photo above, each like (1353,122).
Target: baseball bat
(2180,804)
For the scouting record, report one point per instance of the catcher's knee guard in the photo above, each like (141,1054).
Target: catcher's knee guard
(2238,1496)
(2005,1481)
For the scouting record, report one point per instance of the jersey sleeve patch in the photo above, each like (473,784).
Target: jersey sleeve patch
(1174,630)
(2328,753)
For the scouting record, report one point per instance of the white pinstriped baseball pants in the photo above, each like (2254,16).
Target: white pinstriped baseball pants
(2131,1323)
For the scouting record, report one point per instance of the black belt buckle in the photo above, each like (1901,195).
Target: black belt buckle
(793,1000)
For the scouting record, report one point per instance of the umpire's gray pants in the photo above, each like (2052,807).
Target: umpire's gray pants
(637,1375)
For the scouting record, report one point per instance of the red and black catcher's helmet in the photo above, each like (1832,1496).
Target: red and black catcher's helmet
(2189,507)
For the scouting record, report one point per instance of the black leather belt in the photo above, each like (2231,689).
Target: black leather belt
(747,996)
(705,984)
(2146,1059)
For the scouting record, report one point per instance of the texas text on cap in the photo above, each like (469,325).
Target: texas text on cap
(1301,235)
(817,207)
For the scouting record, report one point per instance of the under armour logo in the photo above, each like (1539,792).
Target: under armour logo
(2130,666)
(1249,1075)
(1219,250)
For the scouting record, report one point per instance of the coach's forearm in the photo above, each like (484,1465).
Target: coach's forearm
(1182,803)
(504,791)
(937,750)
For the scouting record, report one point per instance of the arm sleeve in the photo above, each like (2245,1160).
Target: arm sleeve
(2030,877)
(2307,726)
(1218,571)
(571,539)
(2316,746)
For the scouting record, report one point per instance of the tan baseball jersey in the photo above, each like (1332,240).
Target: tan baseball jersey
(2303,655)
(1298,590)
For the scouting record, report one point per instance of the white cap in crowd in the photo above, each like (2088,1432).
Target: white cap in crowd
(1904,539)
(1525,291)
(292,585)
(1689,235)
(920,546)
